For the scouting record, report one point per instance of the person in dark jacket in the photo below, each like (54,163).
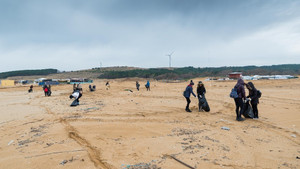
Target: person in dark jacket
(137,85)
(254,98)
(200,93)
(30,89)
(187,93)
(107,85)
(240,100)
(49,90)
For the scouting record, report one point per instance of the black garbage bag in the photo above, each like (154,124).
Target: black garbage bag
(247,111)
(203,104)
(75,103)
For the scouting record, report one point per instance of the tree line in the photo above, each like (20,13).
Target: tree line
(4,75)
(191,72)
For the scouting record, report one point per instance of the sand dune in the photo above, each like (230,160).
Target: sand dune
(117,128)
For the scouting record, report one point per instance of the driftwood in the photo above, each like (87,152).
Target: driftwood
(181,162)
(58,152)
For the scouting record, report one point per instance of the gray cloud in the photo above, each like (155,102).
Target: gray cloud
(74,34)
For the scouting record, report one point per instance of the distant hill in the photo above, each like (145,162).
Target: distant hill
(155,73)
(27,73)
(191,72)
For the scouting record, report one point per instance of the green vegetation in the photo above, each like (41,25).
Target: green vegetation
(27,73)
(191,72)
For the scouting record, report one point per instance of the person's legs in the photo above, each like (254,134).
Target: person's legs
(187,108)
(255,110)
(239,108)
(200,104)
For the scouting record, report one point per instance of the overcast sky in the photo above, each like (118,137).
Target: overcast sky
(76,34)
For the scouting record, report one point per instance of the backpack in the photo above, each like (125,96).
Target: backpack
(233,93)
(184,93)
(259,93)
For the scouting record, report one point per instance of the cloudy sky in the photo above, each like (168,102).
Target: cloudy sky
(76,34)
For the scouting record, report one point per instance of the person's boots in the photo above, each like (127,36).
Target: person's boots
(187,109)
(239,117)
(256,116)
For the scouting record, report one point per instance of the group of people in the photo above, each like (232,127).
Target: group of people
(200,94)
(147,85)
(240,100)
(47,90)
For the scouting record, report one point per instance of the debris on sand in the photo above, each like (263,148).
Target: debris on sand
(225,128)
(63,162)
(128,90)
(141,166)
(9,143)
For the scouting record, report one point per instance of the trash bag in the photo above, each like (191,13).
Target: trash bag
(203,103)
(247,111)
(76,95)
(75,103)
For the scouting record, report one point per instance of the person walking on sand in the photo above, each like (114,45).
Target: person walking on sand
(107,85)
(253,95)
(49,90)
(200,93)
(147,85)
(137,85)
(30,89)
(239,101)
(187,93)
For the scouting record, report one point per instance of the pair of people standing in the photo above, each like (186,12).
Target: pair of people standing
(189,90)
(47,90)
(239,101)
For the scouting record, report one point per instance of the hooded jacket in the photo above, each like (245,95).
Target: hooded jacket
(253,94)
(201,90)
(240,88)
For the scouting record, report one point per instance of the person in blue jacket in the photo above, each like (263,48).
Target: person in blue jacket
(147,85)
(187,93)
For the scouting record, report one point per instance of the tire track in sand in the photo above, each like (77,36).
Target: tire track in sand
(93,153)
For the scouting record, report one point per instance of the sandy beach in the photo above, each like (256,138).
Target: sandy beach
(125,128)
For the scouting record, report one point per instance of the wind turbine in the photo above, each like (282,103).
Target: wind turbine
(170,58)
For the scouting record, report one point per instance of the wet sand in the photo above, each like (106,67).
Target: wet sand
(117,128)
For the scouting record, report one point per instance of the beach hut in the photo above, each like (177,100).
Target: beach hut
(235,75)
(6,83)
